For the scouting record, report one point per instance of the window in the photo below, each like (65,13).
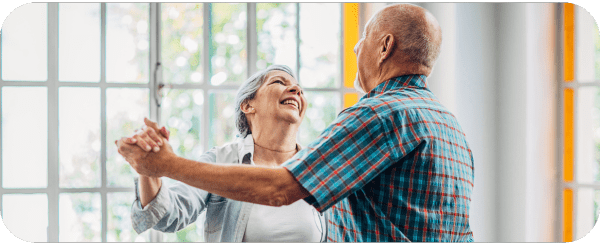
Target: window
(81,75)
(581,123)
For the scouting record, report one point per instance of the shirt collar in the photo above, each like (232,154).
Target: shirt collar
(419,81)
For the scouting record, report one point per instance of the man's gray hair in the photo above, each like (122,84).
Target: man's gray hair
(247,92)
(419,41)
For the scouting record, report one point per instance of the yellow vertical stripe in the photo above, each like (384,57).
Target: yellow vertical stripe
(569,137)
(569,47)
(350,38)
(568,215)
(350,99)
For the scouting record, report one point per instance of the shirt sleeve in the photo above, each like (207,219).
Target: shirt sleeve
(173,208)
(347,155)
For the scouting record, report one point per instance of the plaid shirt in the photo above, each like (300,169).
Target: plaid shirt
(394,167)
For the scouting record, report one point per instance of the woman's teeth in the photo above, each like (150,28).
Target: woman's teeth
(291,102)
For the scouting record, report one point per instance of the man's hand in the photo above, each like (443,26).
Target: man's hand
(152,164)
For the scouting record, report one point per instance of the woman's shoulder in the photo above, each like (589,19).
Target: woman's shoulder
(228,152)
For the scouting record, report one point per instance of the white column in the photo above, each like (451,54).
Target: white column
(511,34)
(541,122)
(473,91)
(442,81)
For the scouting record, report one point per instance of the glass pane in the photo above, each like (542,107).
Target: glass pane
(26,216)
(119,227)
(79,217)
(584,45)
(79,42)
(125,112)
(182,42)
(596,34)
(587,211)
(25,44)
(276,34)
(320,38)
(79,137)
(588,134)
(228,44)
(127,42)
(24,117)
(323,108)
(221,118)
(182,115)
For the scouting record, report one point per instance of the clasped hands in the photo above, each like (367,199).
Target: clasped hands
(148,151)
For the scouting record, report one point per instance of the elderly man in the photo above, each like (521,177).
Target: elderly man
(394,167)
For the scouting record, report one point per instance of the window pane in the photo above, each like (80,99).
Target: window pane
(587,211)
(25,44)
(584,45)
(320,32)
(24,117)
(221,118)
(119,227)
(79,137)
(597,46)
(79,217)
(26,216)
(125,112)
(127,42)
(323,108)
(588,134)
(228,44)
(182,115)
(182,42)
(79,42)
(276,34)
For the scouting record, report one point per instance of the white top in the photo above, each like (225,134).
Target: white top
(298,222)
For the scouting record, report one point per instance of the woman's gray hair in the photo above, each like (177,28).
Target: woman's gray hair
(248,90)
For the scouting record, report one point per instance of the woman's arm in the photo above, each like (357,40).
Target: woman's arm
(148,189)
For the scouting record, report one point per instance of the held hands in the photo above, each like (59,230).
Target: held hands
(142,151)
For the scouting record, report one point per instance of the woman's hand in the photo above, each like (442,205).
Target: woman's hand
(148,138)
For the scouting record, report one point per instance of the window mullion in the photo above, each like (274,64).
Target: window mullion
(206,35)
(251,44)
(103,121)
(53,177)
(154,75)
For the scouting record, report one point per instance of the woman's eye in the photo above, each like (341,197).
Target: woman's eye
(280,82)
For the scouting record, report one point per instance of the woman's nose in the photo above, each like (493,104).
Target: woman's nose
(296,89)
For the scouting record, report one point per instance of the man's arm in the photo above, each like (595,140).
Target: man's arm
(255,184)
(261,185)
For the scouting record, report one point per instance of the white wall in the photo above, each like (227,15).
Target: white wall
(497,74)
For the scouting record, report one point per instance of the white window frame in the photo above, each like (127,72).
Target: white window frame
(52,84)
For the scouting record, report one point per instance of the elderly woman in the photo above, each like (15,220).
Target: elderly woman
(270,106)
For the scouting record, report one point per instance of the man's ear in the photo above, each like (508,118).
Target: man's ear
(386,47)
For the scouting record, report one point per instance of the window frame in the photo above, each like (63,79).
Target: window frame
(347,96)
(569,85)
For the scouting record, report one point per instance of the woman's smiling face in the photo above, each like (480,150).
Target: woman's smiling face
(280,98)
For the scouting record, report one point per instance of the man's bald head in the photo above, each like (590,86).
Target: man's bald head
(417,32)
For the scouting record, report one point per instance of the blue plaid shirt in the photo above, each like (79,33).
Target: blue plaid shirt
(394,167)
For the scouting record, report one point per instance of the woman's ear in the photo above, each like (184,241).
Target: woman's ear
(247,108)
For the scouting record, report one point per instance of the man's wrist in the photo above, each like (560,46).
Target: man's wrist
(170,164)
